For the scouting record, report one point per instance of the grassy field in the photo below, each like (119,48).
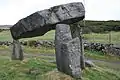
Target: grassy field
(6,36)
(92,37)
(104,37)
(38,63)
(38,66)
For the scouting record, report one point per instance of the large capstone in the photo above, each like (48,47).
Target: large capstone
(41,22)
(67,51)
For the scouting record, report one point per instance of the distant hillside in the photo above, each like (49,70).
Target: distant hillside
(100,26)
(5,26)
(91,26)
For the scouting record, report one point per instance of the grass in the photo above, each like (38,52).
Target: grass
(100,56)
(28,69)
(6,36)
(39,50)
(48,50)
(103,37)
(98,73)
(50,35)
(39,67)
(92,37)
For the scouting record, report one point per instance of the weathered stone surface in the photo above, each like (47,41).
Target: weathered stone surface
(77,32)
(40,22)
(17,53)
(67,51)
(70,52)
(108,49)
(62,34)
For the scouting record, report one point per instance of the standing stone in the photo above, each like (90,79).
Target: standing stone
(62,34)
(17,53)
(67,51)
(76,31)
(70,52)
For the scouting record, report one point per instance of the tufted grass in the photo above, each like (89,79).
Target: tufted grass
(98,73)
(28,69)
(39,68)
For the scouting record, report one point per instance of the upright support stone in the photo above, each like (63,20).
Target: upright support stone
(82,48)
(76,32)
(17,53)
(62,34)
(67,51)
(70,52)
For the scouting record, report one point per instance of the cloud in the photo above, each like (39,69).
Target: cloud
(102,10)
(13,10)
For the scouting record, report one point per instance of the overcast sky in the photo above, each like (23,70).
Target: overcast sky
(13,10)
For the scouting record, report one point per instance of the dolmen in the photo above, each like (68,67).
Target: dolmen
(67,42)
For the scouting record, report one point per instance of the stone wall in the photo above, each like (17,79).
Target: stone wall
(109,49)
(106,48)
(31,43)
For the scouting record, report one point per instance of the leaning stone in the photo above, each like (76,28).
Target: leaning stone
(38,23)
(17,53)
(70,59)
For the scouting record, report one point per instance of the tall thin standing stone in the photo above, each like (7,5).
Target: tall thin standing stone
(76,32)
(17,53)
(71,58)
(62,34)
(67,51)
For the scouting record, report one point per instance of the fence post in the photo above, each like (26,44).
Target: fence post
(110,37)
(81,48)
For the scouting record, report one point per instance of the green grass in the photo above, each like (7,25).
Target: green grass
(98,73)
(50,35)
(39,68)
(100,56)
(103,37)
(28,69)
(92,37)
(5,36)
(39,50)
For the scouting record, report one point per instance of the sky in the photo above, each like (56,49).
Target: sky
(13,10)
